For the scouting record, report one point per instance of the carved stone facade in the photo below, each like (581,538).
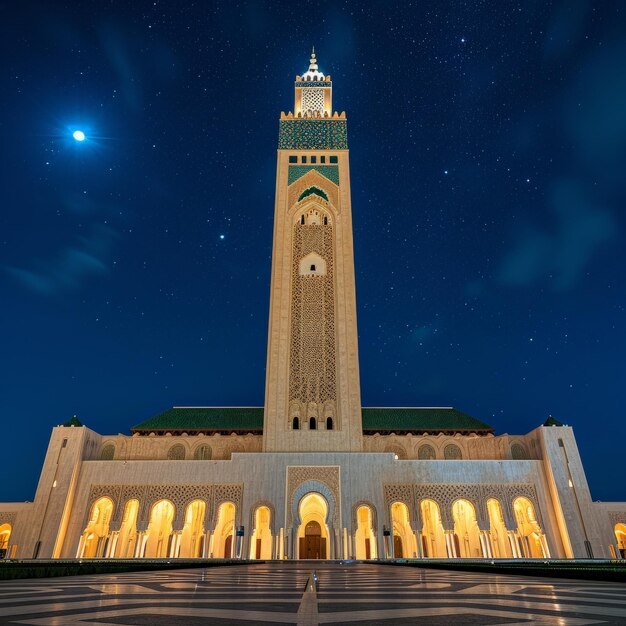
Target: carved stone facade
(445,495)
(312,376)
(179,495)
(298,475)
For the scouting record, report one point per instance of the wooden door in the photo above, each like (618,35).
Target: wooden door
(228,547)
(258,549)
(397,547)
(368,550)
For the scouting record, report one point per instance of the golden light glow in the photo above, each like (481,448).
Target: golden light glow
(364,538)
(404,543)
(433,538)
(192,539)
(127,540)
(159,531)
(93,541)
(224,536)
(466,531)
(532,539)
(261,540)
(500,545)
(313,510)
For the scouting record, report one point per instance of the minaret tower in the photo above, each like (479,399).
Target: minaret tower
(312,392)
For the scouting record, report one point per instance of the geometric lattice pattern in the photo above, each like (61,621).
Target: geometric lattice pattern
(312,369)
(347,593)
(445,494)
(312,135)
(312,100)
(180,495)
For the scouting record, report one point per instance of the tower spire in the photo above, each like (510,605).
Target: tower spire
(313,61)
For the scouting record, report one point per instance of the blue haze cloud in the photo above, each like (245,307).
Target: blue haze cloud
(71,267)
(580,230)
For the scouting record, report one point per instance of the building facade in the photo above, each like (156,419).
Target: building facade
(312,474)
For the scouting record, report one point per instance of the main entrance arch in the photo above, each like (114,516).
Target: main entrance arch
(313,536)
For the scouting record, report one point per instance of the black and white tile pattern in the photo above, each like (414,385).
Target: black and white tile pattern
(308,593)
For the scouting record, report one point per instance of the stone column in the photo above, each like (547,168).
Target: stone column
(418,543)
(450,545)
(112,545)
(485,544)
(140,545)
(81,547)
(514,545)
(281,543)
(205,547)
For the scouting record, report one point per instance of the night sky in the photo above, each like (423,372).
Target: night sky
(488,150)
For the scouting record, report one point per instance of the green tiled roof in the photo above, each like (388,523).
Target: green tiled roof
(250,419)
(328,171)
(73,421)
(212,418)
(420,419)
(551,421)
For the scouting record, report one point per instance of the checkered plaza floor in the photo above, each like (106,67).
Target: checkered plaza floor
(307,593)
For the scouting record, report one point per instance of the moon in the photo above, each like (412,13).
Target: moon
(79,135)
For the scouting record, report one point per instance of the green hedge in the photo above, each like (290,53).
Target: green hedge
(614,571)
(11,570)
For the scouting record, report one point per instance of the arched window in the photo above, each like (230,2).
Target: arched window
(329,423)
(398,450)
(312,423)
(108,452)
(518,452)
(202,453)
(313,191)
(452,451)
(176,452)
(295,424)
(426,452)
(302,220)
(325,220)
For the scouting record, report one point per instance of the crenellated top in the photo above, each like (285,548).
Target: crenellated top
(313,115)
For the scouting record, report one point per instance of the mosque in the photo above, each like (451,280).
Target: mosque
(312,474)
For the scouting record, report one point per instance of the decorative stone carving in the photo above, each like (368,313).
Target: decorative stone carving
(312,369)
(7,517)
(327,475)
(477,494)
(398,493)
(616,517)
(321,488)
(179,495)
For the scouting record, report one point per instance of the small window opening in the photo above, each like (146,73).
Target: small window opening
(293,158)
(312,268)
(64,443)
(296,423)
(302,220)
(333,159)
(322,159)
(312,424)
(304,159)
(313,159)
(329,423)
(325,221)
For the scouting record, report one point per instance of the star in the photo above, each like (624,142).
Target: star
(79,135)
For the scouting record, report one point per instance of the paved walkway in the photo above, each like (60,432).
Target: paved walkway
(308,593)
